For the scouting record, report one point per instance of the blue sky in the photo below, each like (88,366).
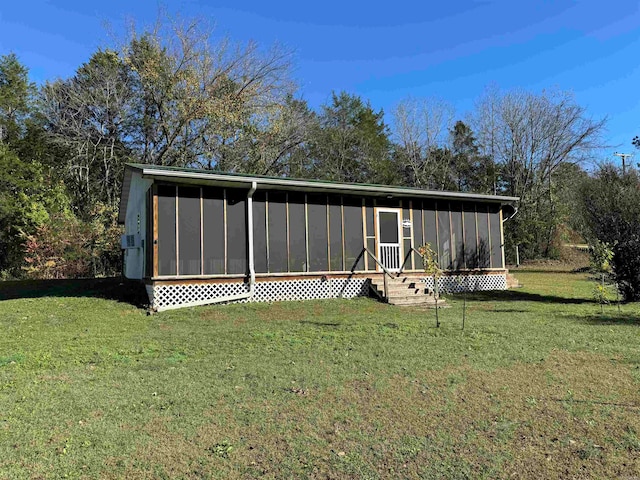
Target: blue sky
(383,51)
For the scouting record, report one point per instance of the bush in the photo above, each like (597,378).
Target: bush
(611,209)
(67,247)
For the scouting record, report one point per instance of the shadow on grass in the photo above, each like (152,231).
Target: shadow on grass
(321,324)
(519,296)
(118,289)
(608,319)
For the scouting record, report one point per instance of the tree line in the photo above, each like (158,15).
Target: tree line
(175,95)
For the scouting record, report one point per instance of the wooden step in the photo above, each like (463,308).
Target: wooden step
(400,288)
(512,281)
(421,300)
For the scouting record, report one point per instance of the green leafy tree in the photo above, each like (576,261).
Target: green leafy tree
(611,208)
(197,98)
(28,196)
(471,170)
(351,143)
(15,98)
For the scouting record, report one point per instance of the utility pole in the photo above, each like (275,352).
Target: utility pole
(624,157)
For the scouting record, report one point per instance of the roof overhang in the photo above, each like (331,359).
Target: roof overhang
(203,177)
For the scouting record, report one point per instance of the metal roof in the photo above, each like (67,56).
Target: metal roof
(210,177)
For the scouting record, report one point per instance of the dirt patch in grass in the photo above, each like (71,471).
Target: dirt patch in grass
(525,421)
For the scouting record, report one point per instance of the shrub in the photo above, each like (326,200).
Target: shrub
(611,209)
(67,247)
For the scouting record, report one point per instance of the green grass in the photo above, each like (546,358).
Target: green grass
(539,385)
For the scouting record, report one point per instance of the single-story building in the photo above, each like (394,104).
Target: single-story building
(197,236)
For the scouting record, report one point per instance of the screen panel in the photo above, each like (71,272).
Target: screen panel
(494,231)
(297,233)
(277,232)
(213,230)
(369,213)
(418,240)
(335,236)
(167,264)
(236,231)
(470,236)
(388,227)
(318,239)
(259,232)
(189,260)
(353,238)
(457,240)
(430,232)
(484,253)
(444,236)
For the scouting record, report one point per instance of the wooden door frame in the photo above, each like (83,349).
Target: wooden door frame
(398,212)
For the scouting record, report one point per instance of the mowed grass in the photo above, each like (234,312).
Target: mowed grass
(538,385)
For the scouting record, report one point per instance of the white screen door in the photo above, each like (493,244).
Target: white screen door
(389,229)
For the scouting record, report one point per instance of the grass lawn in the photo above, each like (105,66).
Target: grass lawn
(539,385)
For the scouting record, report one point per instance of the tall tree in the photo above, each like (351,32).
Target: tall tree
(15,97)
(351,142)
(89,116)
(420,135)
(611,209)
(195,98)
(471,170)
(530,136)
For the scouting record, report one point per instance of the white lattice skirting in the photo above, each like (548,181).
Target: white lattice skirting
(469,283)
(166,296)
(171,295)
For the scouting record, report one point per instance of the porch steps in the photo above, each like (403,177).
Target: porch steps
(405,291)
(512,281)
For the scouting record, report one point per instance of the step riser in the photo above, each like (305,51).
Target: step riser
(411,303)
(380,288)
(406,291)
